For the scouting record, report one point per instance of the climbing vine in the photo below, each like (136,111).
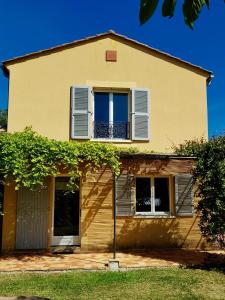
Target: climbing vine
(28,158)
(209,177)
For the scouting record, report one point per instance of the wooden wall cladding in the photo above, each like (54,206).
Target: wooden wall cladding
(133,232)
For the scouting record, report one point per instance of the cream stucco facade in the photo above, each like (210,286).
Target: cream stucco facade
(39,89)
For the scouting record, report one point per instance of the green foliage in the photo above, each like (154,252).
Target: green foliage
(3,118)
(28,158)
(191,9)
(209,176)
(147,9)
(190,148)
(168,8)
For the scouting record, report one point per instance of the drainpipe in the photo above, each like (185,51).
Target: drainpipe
(114,217)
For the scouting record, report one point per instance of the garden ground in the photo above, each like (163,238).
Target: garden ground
(154,283)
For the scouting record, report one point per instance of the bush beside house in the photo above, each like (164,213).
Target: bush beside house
(209,177)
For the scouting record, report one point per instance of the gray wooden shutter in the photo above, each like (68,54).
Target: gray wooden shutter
(140,114)
(32,219)
(184,195)
(80,112)
(124,195)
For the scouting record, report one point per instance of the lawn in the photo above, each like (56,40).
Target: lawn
(170,283)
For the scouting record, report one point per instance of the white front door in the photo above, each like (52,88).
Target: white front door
(66,217)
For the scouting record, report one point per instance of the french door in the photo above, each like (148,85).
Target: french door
(66,217)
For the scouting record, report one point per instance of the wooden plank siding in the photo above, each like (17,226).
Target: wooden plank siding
(97,211)
(136,231)
(96,219)
(9,218)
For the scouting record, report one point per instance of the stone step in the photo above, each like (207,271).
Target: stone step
(65,249)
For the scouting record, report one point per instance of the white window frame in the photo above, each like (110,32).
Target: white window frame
(152,188)
(111,92)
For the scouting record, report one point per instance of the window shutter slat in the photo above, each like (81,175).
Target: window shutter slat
(140,114)
(80,112)
(184,195)
(124,195)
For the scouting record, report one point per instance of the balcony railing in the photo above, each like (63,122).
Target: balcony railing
(112,130)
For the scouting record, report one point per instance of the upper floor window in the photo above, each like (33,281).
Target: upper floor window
(111,115)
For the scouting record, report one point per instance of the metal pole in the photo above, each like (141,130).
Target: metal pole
(114,217)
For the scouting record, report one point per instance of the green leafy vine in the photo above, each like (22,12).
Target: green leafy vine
(28,158)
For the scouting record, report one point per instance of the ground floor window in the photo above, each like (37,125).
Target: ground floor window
(152,195)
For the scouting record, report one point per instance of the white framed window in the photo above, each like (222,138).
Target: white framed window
(152,196)
(111,115)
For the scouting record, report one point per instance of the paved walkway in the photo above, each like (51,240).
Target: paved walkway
(99,261)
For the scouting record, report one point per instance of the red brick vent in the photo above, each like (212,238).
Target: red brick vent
(111,55)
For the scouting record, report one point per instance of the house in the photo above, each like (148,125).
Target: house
(108,88)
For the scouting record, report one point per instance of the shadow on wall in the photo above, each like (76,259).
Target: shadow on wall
(156,166)
(144,167)
(135,233)
(97,206)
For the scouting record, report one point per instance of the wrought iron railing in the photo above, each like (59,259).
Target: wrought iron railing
(112,130)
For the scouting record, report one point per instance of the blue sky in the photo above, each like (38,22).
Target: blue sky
(29,25)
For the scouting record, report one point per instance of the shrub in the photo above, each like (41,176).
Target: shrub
(209,177)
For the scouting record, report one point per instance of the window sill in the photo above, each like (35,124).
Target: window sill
(112,141)
(152,216)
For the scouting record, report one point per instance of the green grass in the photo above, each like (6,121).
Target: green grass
(166,284)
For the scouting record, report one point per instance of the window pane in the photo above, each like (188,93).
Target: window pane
(102,107)
(162,194)
(120,107)
(66,213)
(120,115)
(101,114)
(143,195)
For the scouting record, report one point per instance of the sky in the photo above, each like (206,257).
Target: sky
(28,25)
